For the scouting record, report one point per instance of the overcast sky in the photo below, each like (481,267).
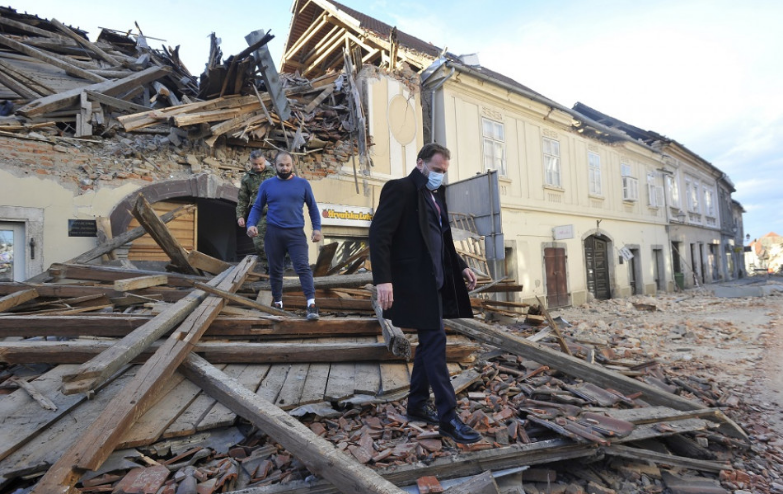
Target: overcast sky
(707,73)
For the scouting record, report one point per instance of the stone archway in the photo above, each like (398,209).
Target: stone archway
(215,199)
(203,185)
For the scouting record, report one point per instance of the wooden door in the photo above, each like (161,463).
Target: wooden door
(184,229)
(597,265)
(556,282)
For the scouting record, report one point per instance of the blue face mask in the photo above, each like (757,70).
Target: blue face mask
(434,180)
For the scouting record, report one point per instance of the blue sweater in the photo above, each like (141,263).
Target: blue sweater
(286,200)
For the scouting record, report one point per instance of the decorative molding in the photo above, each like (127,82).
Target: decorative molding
(490,113)
(550,133)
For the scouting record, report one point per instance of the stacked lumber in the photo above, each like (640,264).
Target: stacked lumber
(52,73)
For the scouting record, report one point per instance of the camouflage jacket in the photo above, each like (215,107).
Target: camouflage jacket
(248,190)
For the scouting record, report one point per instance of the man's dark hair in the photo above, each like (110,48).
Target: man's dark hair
(429,150)
(283,153)
(257,153)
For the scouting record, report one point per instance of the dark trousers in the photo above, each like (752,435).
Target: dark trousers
(277,242)
(429,370)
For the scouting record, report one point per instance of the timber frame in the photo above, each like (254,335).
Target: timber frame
(321,29)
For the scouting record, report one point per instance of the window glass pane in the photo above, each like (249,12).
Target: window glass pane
(625,170)
(6,255)
(486,127)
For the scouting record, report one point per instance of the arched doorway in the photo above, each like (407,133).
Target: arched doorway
(597,266)
(214,224)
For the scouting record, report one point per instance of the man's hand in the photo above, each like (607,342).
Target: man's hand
(252,232)
(316,236)
(470,277)
(241,222)
(385,295)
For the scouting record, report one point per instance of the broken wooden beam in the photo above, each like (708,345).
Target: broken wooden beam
(96,371)
(97,272)
(319,455)
(86,43)
(207,263)
(573,366)
(140,282)
(244,301)
(17,298)
(128,236)
(396,342)
(54,290)
(146,216)
(100,439)
(552,324)
(44,57)
(321,282)
(68,98)
(36,395)
(81,351)
(645,455)
(120,325)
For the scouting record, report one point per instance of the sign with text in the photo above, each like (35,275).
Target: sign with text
(563,232)
(342,215)
(626,253)
(82,228)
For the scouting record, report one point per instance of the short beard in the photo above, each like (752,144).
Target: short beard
(284,176)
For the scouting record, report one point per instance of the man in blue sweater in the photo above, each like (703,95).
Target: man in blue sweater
(286,195)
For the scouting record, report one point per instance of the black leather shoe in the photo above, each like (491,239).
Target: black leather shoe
(459,431)
(424,414)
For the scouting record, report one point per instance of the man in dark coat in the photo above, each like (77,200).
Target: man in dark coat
(419,280)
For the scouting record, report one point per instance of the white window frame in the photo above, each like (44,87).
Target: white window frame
(494,143)
(551,152)
(673,189)
(630,183)
(594,173)
(709,202)
(692,196)
(654,192)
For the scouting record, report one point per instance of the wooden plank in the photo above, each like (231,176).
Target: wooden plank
(322,282)
(143,212)
(78,351)
(85,43)
(362,254)
(140,282)
(394,377)
(291,392)
(70,291)
(40,55)
(186,422)
(95,445)
(23,418)
(17,298)
(245,301)
(368,374)
(95,371)
(483,483)
(119,325)
(325,257)
(315,383)
(45,448)
(68,98)
(318,455)
(95,272)
(221,416)
(176,396)
(273,382)
(665,459)
(115,102)
(202,261)
(34,393)
(342,377)
(128,236)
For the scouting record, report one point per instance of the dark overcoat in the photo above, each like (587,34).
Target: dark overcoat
(401,254)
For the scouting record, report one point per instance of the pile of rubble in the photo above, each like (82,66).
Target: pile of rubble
(156,120)
(572,409)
